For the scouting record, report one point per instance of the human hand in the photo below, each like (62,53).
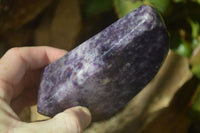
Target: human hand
(20,70)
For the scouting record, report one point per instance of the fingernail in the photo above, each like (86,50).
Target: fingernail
(86,111)
(64,50)
(85,116)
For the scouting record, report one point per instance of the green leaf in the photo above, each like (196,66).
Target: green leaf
(184,49)
(198,1)
(178,1)
(195,28)
(196,71)
(93,7)
(161,5)
(195,62)
(123,7)
(195,43)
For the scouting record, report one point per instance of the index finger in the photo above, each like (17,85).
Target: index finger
(17,61)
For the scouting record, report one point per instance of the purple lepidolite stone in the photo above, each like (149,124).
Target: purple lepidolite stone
(105,72)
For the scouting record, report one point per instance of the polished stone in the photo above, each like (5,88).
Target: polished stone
(105,72)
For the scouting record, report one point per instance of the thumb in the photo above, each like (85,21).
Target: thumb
(72,120)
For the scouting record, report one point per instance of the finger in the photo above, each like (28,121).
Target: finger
(17,61)
(73,120)
(28,96)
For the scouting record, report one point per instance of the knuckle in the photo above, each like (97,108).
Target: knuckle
(13,51)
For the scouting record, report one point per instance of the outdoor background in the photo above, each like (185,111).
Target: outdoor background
(170,103)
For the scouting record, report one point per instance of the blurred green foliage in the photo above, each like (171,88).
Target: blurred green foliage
(125,6)
(94,7)
(184,48)
(162,6)
(195,107)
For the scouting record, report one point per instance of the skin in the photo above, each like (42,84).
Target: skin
(20,70)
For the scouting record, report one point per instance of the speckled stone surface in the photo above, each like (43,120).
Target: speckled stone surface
(105,72)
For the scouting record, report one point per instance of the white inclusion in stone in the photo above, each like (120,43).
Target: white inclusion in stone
(74,103)
(80,74)
(109,66)
(105,81)
(62,90)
